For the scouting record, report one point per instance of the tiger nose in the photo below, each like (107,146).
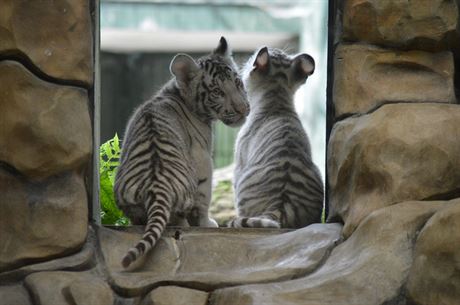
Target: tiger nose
(243,109)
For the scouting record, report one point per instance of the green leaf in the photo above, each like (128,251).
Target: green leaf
(109,154)
(116,143)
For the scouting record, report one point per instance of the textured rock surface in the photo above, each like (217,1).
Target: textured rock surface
(41,220)
(367,77)
(422,24)
(210,258)
(397,153)
(14,295)
(55,35)
(77,261)
(86,291)
(174,295)
(369,268)
(435,274)
(72,288)
(46,128)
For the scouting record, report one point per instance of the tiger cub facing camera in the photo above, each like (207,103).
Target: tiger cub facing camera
(275,181)
(165,170)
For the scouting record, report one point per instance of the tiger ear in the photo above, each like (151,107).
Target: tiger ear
(222,48)
(262,60)
(183,67)
(303,66)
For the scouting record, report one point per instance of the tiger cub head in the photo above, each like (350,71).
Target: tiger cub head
(212,86)
(272,67)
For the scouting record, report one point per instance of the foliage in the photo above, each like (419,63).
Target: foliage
(222,188)
(222,207)
(323,215)
(109,156)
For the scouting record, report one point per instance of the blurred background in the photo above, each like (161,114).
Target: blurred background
(140,37)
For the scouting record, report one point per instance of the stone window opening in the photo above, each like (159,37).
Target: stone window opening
(179,241)
(147,65)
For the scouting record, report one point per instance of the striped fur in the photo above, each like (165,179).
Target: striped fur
(165,170)
(275,181)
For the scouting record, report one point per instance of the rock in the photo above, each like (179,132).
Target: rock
(41,221)
(174,295)
(78,261)
(55,35)
(435,275)
(399,152)
(14,295)
(423,24)
(207,258)
(367,77)
(50,123)
(90,291)
(69,288)
(369,268)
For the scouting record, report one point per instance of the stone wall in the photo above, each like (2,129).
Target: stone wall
(46,76)
(396,134)
(46,140)
(393,168)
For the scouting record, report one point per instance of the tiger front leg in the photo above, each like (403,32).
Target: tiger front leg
(202,200)
(202,197)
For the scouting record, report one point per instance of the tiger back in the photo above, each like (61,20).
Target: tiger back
(275,181)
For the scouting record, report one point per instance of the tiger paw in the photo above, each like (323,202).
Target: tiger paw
(211,223)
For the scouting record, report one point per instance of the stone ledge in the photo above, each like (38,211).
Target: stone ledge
(307,266)
(174,295)
(206,259)
(369,268)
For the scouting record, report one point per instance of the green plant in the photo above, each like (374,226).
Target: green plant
(109,158)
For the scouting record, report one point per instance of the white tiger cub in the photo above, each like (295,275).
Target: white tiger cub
(165,170)
(275,181)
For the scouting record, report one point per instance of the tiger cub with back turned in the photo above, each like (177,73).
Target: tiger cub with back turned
(165,170)
(275,181)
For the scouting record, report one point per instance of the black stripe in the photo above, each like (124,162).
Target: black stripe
(140,247)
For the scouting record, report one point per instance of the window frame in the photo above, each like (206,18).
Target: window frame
(95,97)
